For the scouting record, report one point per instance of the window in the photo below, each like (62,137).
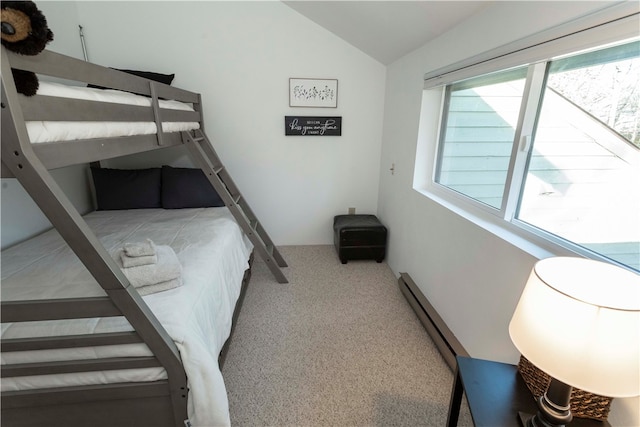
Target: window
(478,133)
(553,147)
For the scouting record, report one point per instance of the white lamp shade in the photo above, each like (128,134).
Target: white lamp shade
(578,320)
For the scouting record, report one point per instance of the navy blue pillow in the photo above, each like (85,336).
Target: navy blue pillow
(158,77)
(187,188)
(127,189)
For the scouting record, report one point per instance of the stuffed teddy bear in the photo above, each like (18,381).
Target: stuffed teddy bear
(24,30)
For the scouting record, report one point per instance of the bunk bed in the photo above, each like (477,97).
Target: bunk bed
(81,345)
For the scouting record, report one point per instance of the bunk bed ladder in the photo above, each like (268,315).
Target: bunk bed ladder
(207,159)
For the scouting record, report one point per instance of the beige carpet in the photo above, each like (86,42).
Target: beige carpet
(336,346)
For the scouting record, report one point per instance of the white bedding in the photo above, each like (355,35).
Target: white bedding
(52,131)
(214,254)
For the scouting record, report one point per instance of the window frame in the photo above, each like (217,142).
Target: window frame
(503,221)
(610,25)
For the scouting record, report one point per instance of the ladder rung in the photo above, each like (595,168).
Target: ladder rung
(254,224)
(199,139)
(236,199)
(218,169)
(270,250)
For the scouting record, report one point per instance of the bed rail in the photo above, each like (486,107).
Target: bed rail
(45,403)
(53,108)
(130,404)
(53,64)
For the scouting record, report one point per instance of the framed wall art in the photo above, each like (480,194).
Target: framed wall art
(313,93)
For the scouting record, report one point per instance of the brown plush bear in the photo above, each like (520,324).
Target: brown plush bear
(24,30)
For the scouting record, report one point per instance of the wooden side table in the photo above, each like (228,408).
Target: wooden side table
(496,393)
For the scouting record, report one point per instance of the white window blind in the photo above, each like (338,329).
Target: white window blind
(613,24)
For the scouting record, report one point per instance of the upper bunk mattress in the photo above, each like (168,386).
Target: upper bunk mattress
(54,131)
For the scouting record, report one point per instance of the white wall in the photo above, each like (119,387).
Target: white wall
(240,56)
(472,277)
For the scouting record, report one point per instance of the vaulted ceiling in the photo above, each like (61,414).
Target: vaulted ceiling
(387,30)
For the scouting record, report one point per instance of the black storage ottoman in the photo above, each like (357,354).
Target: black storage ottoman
(359,237)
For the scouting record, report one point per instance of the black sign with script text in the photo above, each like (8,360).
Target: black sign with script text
(312,126)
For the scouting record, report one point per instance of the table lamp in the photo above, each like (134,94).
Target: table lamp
(578,320)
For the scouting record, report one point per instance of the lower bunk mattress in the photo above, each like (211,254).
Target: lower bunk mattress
(214,254)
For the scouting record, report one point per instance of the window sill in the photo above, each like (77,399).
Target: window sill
(530,243)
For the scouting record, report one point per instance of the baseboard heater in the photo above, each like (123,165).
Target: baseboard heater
(447,343)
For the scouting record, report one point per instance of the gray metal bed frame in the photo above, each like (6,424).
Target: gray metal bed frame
(159,403)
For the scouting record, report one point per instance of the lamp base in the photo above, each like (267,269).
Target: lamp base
(530,420)
(553,407)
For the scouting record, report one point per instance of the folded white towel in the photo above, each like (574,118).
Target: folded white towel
(138,249)
(136,261)
(165,269)
(160,287)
